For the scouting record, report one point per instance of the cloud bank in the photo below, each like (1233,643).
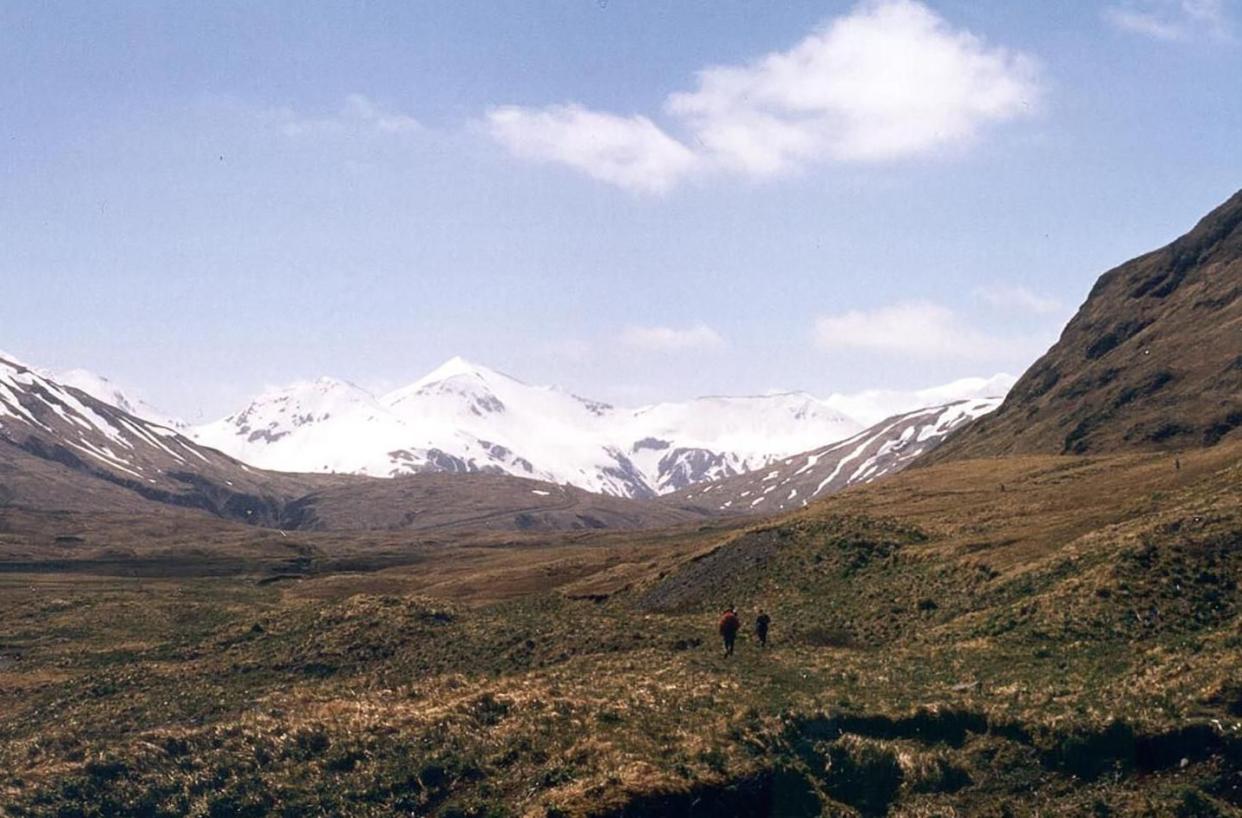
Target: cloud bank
(670,339)
(630,152)
(1018,298)
(891,80)
(918,330)
(358,114)
(874,405)
(1171,20)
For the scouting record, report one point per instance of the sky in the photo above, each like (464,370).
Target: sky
(639,201)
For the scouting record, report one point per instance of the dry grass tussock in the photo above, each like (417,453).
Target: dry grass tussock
(1067,646)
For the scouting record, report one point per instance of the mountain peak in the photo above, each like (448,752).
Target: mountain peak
(327,382)
(456,367)
(308,399)
(108,391)
(323,385)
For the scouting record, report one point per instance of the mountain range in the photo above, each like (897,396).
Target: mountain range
(465,417)
(522,456)
(64,450)
(883,449)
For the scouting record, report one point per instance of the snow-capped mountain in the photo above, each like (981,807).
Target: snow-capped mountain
(61,449)
(60,444)
(100,388)
(469,418)
(33,406)
(680,444)
(874,405)
(882,449)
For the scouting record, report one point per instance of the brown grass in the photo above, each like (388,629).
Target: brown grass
(523,676)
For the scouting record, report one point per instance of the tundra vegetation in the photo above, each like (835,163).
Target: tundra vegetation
(1067,645)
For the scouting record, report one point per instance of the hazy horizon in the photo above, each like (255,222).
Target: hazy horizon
(866,406)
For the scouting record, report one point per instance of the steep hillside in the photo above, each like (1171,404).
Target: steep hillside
(1152,360)
(883,449)
(61,448)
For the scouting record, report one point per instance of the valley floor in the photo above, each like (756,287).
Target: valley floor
(1033,636)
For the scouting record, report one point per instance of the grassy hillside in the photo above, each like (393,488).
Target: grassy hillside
(1152,359)
(1039,635)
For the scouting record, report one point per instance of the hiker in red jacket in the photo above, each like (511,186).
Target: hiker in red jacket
(729,626)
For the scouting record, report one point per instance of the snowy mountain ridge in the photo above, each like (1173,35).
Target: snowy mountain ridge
(871,406)
(465,417)
(887,447)
(102,389)
(98,387)
(67,424)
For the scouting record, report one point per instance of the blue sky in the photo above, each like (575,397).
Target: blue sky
(639,201)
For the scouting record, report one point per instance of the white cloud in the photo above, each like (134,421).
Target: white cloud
(358,113)
(1018,298)
(916,330)
(873,405)
(1171,20)
(630,152)
(1140,22)
(890,80)
(660,339)
(362,109)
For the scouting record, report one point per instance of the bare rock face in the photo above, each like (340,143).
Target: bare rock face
(1152,359)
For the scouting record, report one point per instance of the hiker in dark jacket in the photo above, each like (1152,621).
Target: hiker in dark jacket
(729,626)
(762,621)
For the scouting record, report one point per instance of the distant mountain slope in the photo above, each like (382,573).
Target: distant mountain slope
(464,417)
(883,449)
(871,406)
(475,502)
(63,450)
(1152,360)
(105,390)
